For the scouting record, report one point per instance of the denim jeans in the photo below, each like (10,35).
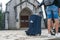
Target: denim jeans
(52,9)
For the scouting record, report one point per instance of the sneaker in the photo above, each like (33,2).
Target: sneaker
(57,35)
(53,32)
(49,35)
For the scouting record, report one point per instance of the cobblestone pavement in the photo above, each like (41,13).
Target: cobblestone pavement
(20,35)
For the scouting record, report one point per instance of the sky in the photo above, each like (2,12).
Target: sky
(4,4)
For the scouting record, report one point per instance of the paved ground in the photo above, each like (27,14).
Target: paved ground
(20,35)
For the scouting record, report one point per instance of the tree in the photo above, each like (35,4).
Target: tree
(1,19)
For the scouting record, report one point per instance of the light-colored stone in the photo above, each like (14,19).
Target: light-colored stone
(20,35)
(13,17)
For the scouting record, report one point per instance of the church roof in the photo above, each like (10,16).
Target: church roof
(26,1)
(23,2)
(8,2)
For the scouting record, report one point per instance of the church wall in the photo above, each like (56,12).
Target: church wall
(12,21)
(26,4)
(13,24)
(18,14)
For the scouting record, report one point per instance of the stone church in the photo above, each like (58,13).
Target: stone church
(18,12)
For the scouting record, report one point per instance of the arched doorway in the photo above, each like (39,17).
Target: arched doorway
(24,17)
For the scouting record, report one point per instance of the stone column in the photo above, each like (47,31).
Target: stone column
(6,21)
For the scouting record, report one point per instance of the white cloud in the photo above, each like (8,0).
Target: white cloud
(4,4)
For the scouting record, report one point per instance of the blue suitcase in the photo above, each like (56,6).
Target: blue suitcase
(34,25)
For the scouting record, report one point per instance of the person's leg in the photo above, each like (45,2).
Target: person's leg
(56,25)
(55,10)
(49,25)
(53,23)
(48,11)
(52,28)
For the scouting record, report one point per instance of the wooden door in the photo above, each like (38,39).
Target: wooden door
(24,21)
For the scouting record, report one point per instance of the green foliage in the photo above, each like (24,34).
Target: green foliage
(1,15)
(1,19)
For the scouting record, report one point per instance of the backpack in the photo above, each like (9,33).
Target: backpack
(48,2)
